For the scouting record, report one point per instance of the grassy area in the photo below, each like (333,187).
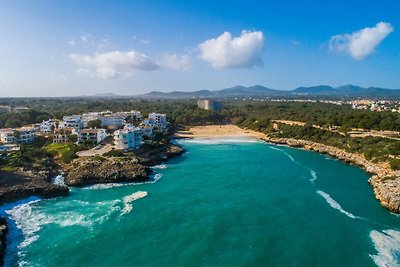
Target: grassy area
(64,152)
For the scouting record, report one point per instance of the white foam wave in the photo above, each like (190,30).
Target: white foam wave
(217,141)
(21,214)
(153,178)
(160,167)
(335,204)
(58,180)
(130,198)
(275,148)
(106,186)
(387,244)
(313,176)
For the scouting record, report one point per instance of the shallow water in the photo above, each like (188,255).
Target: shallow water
(223,203)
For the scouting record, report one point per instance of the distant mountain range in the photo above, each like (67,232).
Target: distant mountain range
(261,91)
(345,91)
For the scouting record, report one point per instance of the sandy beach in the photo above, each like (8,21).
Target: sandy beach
(217,131)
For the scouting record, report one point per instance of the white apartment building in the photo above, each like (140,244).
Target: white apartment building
(128,138)
(107,118)
(23,135)
(157,120)
(48,126)
(94,135)
(74,121)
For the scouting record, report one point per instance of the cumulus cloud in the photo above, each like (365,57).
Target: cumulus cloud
(361,43)
(176,62)
(111,65)
(244,51)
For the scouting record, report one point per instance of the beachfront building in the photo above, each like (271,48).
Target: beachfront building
(128,138)
(209,104)
(19,110)
(23,135)
(5,109)
(156,120)
(74,121)
(93,135)
(48,126)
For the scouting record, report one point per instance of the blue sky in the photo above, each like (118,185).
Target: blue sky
(61,48)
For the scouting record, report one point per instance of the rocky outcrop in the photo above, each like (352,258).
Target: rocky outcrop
(14,186)
(385,182)
(3,238)
(158,155)
(92,170)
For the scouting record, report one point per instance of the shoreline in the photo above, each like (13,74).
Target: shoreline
(384,181)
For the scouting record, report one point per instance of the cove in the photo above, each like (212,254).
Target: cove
(225,202)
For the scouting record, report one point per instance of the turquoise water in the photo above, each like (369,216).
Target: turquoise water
(223,203)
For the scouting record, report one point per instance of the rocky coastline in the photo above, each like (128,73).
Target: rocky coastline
(18,185)
(128,168)
(3,239)
(385,182)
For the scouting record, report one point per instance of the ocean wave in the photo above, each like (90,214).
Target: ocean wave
(153,178)
(160,167)
(335,204)
(127,200)
(313,173)
(387,244)
(106,186)
(314,176)
(58,180)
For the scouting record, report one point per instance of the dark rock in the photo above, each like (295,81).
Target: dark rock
(159,155)
(3,239)
(14,186)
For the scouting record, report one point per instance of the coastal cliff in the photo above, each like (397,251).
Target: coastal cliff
(85,171)
(3,239)
(128,168)
(158,155)
(385,182)
(15,186)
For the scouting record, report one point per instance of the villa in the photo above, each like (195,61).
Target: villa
(94,135)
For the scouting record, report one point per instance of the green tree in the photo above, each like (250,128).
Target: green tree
(94,124)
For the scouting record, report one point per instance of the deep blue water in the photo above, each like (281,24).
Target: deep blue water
(223,203)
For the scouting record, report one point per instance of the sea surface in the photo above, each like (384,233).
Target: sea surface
(225,202)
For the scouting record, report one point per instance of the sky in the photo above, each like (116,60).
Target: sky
(70,48)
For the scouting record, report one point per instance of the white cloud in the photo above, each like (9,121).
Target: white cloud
(145,41)
(71,42)
(224,51)
(361,43)
(111,65)
(176,62)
